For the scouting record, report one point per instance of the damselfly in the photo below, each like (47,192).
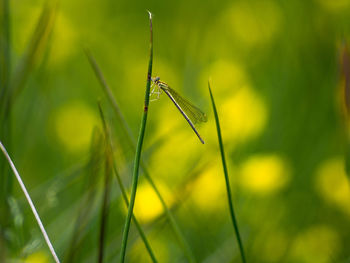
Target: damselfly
(191,113)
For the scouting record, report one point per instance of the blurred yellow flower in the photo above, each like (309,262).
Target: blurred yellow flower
(318,244)
(264,174)
(254,22)
(333,184)
(74,124)
(37,257)
(243,115)
(209,191)
(147,205)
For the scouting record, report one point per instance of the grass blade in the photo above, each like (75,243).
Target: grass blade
(36,215)
(138,149)
(228,188)
(122,189)
(130,139)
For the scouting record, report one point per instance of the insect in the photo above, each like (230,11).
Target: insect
(190,112)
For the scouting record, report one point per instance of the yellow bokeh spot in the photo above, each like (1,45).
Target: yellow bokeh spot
(243,115)
(37,257)
(333,184)
(63,40)
(334,5)
(264,174)
(209,190)
(74,124)
(317,244)
(254,22)
(147,204)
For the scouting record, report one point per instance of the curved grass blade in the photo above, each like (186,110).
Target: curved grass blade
(228,188)
(122,189)
(9,87)
(30,202)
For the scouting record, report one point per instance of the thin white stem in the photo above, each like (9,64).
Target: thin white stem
(18,177)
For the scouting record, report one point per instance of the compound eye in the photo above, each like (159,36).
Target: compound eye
(157,79)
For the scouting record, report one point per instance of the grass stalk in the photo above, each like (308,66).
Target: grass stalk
(36,215)
(122,189)
(228,188)
(131,141)
(138,148)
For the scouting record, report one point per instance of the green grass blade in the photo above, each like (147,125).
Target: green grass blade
(130,138)
(122,189)
(228,188)
(138,149)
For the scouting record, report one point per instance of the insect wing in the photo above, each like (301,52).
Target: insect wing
(192,112)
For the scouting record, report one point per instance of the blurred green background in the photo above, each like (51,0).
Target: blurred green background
(275,74)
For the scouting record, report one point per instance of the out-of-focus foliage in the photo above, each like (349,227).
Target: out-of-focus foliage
(275,72)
